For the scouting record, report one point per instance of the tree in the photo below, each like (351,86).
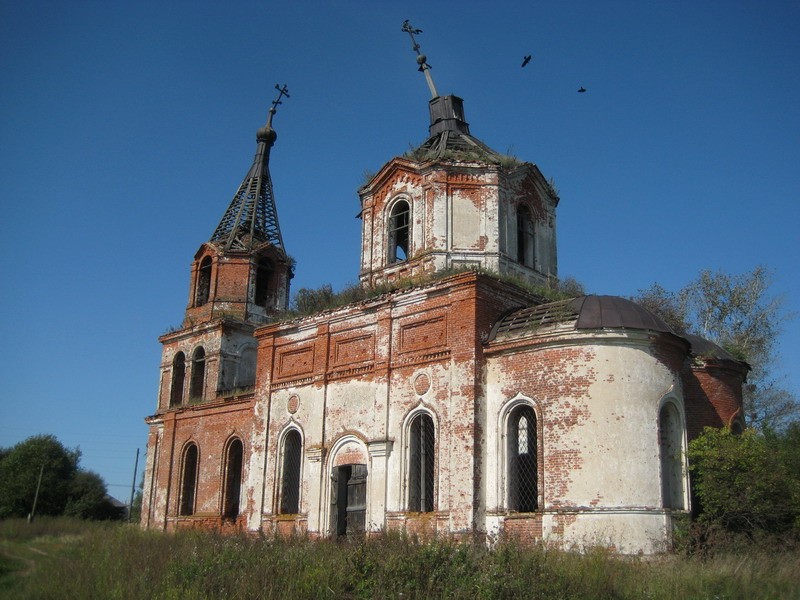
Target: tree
(738,313)
(65,489)
(19,474)
(743,484)
(88,498)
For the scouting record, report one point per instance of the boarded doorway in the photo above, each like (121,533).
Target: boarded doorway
(348,500)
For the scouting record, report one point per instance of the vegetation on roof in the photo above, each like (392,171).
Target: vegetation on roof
(307,302)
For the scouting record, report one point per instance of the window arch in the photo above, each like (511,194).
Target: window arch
(188,479)
(178,375)
(198,374)
(264,272)
(670,438)
(399,232)
(233,479)
(203,287)
(523,489)
(525,238)
(421,463)
(290,476)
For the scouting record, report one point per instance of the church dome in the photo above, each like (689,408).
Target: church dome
(586,312)
(610,312)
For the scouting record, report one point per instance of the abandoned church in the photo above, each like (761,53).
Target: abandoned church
(452,400)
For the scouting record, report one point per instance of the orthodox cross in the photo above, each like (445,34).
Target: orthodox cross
(282,91)
(422,60)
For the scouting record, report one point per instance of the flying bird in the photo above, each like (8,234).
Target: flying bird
(581,90)
(526,60)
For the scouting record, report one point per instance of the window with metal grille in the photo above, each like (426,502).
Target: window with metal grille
(203,288)
(178,375)
(188,480)
(233,479)
(522,464)
(399,232)
(421,462)
(198,374)
(525,245)
(290,483)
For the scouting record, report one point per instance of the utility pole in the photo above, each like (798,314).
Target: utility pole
(133,485)
(36,495)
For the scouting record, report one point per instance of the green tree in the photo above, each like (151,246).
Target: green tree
(88,498)
(19,473)
(747,482)
(740,314)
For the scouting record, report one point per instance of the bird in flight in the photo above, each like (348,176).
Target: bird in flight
(526,60)
(581,90)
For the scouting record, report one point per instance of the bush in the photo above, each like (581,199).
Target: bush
(748,483)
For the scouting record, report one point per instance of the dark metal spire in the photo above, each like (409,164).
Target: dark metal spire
(422,60)
(252,218)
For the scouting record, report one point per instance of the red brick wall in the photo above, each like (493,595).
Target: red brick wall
(712,395)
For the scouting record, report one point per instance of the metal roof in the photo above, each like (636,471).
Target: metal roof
(252,217)
(586,312)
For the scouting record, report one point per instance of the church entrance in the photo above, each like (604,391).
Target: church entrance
(348,500)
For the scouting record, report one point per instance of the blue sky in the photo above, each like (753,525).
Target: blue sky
(127,127)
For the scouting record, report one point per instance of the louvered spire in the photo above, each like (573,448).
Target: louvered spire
(252,217)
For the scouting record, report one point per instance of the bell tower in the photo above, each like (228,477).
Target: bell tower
(453,203)
(243,271)
(239,280)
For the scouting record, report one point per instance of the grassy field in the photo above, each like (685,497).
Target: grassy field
(60,558)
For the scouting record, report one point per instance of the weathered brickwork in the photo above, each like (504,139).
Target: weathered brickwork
(449,406)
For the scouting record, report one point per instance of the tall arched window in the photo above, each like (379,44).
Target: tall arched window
(670,437)
(264,272)
(188,480)
(525,245)
(290,477)
(422,458)
(198,374)
(523,489)
(203,287)
(233,479)
(399,232)
(178,375)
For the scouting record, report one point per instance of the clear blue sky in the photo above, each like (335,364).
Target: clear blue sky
(127,127)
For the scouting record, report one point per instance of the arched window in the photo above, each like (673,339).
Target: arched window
(178,374)
(525,245)
(264,272)
(523,489)
(203,287)
(233,479)
(188,480)
(399,230)
(421,479)
(290,480)
(670,437)
(198,374)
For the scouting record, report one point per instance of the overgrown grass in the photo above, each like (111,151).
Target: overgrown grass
(63,560)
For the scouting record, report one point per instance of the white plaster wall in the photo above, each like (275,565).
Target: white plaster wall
(603,461)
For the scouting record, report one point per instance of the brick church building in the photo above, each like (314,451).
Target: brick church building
(452,401)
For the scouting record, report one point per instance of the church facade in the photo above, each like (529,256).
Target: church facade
(454,400)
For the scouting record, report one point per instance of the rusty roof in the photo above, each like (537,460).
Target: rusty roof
(587,312)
